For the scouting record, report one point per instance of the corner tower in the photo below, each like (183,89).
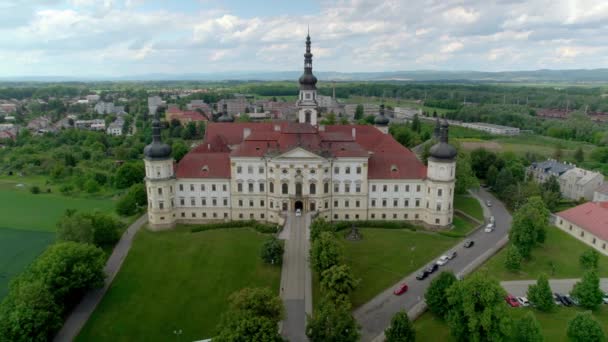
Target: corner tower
(160,181)
(441,175)
(308,108)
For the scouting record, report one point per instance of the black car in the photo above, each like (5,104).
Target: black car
(469,243)
(431,268)
(565,300)
(451,255)
(422,275)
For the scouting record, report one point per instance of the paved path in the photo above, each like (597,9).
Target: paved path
(520,287)
(81,313)
(375,315)
(296,286)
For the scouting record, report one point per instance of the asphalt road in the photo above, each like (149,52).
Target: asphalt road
(296,290)
(375,316)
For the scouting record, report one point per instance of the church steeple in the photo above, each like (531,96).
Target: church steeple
(307,101)
(308,81)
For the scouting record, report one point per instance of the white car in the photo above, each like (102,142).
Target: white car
(298,212)
(492,219)
(523,301)
(605,299)
(443,260)
(489,228)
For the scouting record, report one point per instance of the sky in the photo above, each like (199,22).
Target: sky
(113,38)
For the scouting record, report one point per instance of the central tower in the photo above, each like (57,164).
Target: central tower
(307,101)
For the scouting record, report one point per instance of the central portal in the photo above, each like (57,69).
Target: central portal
(299,205)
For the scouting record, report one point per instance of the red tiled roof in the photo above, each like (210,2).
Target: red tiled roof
(204,165)
(590,216)
(387,158)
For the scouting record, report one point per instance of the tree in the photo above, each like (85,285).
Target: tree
(330,119)
(338,281)
(540,294)
(465,178)
(583,328)
(359,112)
(325,252)
(416,125)
(558,152)
(587,290)
(332,322)
(272,251)
(68,270)
(35,189)
(75,227)
(105,229)
(258,301)
(527,329)
(436,294)
(478,310)
(491,176)
(481,160)
(529,225)
(503,180)
(179,150)
(579,155)
(401,329)
(135,198)
(29,313)
(318,226)
(590,259)
(513,259)
(129,174)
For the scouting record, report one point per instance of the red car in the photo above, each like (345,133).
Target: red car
(512,301)
(401,289)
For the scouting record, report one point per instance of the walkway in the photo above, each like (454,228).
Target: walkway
(375,315)
(296,282)
(520,287)
(81,313)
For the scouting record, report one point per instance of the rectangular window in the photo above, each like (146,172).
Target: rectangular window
(336,170)
(396,188)
(439,192)
(225,202)
(192,202)
(181,187)
(348,170)
(182,202)
(374,188)
(335,216)
(262,187)
(384,203)
(183,214)
(262,204)
(358,187)
(212,187)
(358,170)
(406,203)
(250,186)
(416,216)
(383,216)
(240,216)
(271,204)
(261,170)
(250,203)
(261,216)
(346,187)
(251,216)
(224,187)
(407,188)
(202,187)
(161,205)
(240,203)
(335,204)
(239,187)
(357,204)
(336,187)
(417,203)
(203,201)
(191,187)
(326,204)
(193,214)
(214,202)
(225,215)
(346,216)
(325,187)
(373,216)
(346,204)
(239,169)
(373,203)
(418,188)
(160,191)
(394,216)
(395,203)
(438,206)
(384,188)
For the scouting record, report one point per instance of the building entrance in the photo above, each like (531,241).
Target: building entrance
(299,205)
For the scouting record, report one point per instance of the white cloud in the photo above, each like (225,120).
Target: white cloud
(451,47)
(461,15)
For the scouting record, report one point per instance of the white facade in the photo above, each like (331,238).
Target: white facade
(160,186)
(581,234)
(578,183)
(308,107)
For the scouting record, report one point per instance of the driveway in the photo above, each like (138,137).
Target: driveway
(296,282)
(375,315)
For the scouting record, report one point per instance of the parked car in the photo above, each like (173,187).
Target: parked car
(523,301)
(401,289)
(442,260)
(511,301)
(565,300)
(469,243)
(492,219)
(489,228)
(431,268)
(557,299)
(298,212)
(451,255)
(488,203)
(605,299)
(422,275)
(574,300)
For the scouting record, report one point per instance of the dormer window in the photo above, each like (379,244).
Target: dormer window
(394,168)
(205,168)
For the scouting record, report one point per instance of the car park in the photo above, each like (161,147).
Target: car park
(511,301)
(401,289)
(443,260)
(469,243)
(451,255)
(523,301)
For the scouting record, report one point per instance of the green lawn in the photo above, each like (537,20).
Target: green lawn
(179,280)
(559,249)
(18,248)
(22,210)
(553,325)
(469,205)
(384,256)
(463,225)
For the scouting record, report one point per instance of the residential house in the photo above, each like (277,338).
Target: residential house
(183,116)
(542,171)
(601,193)
(587,222)
(115,128)
(577,183)
(104,107)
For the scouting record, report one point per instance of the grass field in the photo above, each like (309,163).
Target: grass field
(463,225)
(560,250)
(18,248)
(553,325)
(384,256)
(179,280)
(469,205)
(22,210)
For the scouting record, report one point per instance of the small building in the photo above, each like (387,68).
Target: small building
(601,193)
(104,108)
(92,98)
(39,123)
(183,116)
(92,125)
(542,171)
(587,222)
(578,183)
(491,128)
(115,128)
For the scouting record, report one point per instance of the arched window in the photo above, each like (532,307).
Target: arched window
(326,187)
(307,115)
(271,185)
(298,189)
(313,188)
(285,188)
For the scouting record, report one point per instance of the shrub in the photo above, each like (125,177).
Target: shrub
(264,228)
(35,189)
(272,251)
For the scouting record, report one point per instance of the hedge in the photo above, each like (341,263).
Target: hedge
(264,228)
(342,225)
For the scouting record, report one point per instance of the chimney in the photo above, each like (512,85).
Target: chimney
(277,128)
(354,133)
(246,133)
(209,146)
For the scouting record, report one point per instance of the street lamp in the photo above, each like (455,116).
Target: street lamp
(177,333)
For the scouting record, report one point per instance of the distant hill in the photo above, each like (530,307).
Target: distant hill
(541,76)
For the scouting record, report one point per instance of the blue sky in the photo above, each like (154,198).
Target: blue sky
(135,37)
